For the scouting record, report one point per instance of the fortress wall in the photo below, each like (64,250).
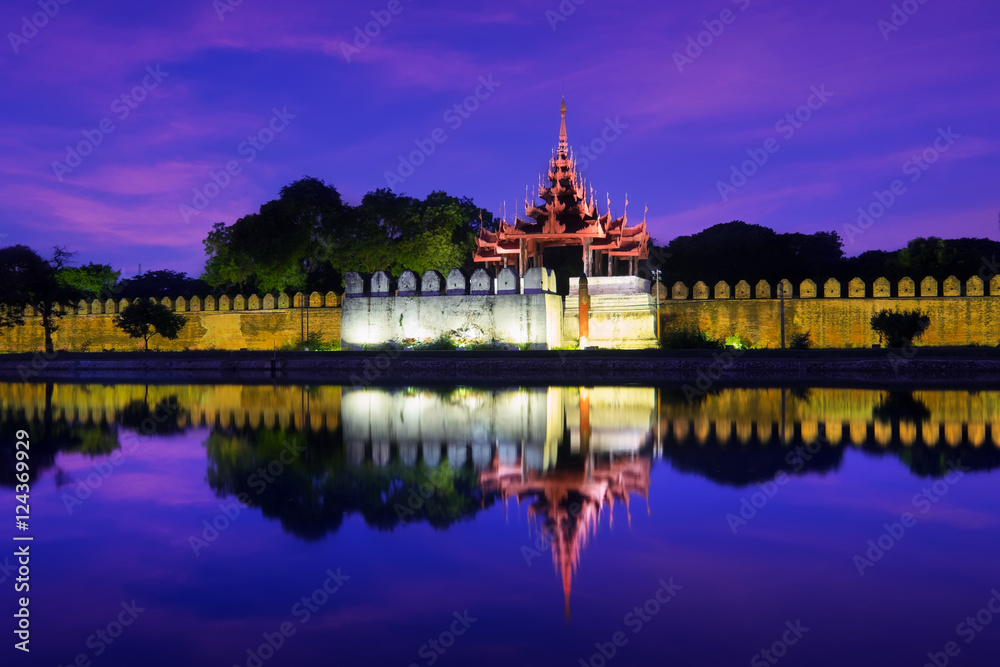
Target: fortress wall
(482,310)
(960,314)
(226,323)
(530,312)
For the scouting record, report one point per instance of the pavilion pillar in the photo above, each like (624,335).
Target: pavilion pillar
(586,257)
(610,262)
(520,257)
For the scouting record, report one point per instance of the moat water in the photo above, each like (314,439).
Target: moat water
(259,526)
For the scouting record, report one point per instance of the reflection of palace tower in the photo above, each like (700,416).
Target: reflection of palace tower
(572,452)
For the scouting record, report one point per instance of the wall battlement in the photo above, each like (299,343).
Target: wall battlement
(472,309)
(836,315)
(458,283)
(526,311)
(237,322)
(832,289)
(204,304)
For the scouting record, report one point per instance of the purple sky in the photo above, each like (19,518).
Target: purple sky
(680,126)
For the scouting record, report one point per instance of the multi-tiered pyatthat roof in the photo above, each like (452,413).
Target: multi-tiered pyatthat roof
(567,216)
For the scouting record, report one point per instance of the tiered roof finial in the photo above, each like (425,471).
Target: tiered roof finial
(563,136)
(565,217)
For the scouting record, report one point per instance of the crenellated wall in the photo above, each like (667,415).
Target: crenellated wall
(479,309)
(833,314)
(528,312)
(235,322)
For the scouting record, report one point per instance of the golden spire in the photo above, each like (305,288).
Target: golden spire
(563,137)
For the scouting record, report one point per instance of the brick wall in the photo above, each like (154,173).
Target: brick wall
(226,323)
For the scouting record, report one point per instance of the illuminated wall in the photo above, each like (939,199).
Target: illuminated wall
(960,314)
(226,323)
(424,309)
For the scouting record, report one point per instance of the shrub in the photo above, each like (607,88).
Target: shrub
(800,341)
(689,338)
(441,343)
(899,329)
(736,342)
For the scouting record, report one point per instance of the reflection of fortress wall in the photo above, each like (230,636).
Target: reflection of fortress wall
(428,423)
(525,426)
(844,415)
(225,323)
(620,418)
(201,405)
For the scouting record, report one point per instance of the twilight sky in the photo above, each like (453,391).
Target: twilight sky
(276,91)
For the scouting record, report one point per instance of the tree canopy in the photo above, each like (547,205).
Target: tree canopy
(160,284)
(308,238)
(92,281)
(280,245)
(736,251)
(145,319)
(26,279)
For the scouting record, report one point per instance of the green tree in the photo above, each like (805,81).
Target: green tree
(899,329)
(145,319)
(278,247)
(92,281)
(26,279)
(397,233)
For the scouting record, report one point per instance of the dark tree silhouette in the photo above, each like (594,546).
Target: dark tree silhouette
(28,280)
(145,319)
(899,329)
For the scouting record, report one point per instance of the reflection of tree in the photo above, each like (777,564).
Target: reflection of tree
(163,419)
(312,494)
(742,466)
(935,461)
(900,406)
(50,436)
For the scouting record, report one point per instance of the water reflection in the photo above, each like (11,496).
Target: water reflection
(310,456)
(732,436)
